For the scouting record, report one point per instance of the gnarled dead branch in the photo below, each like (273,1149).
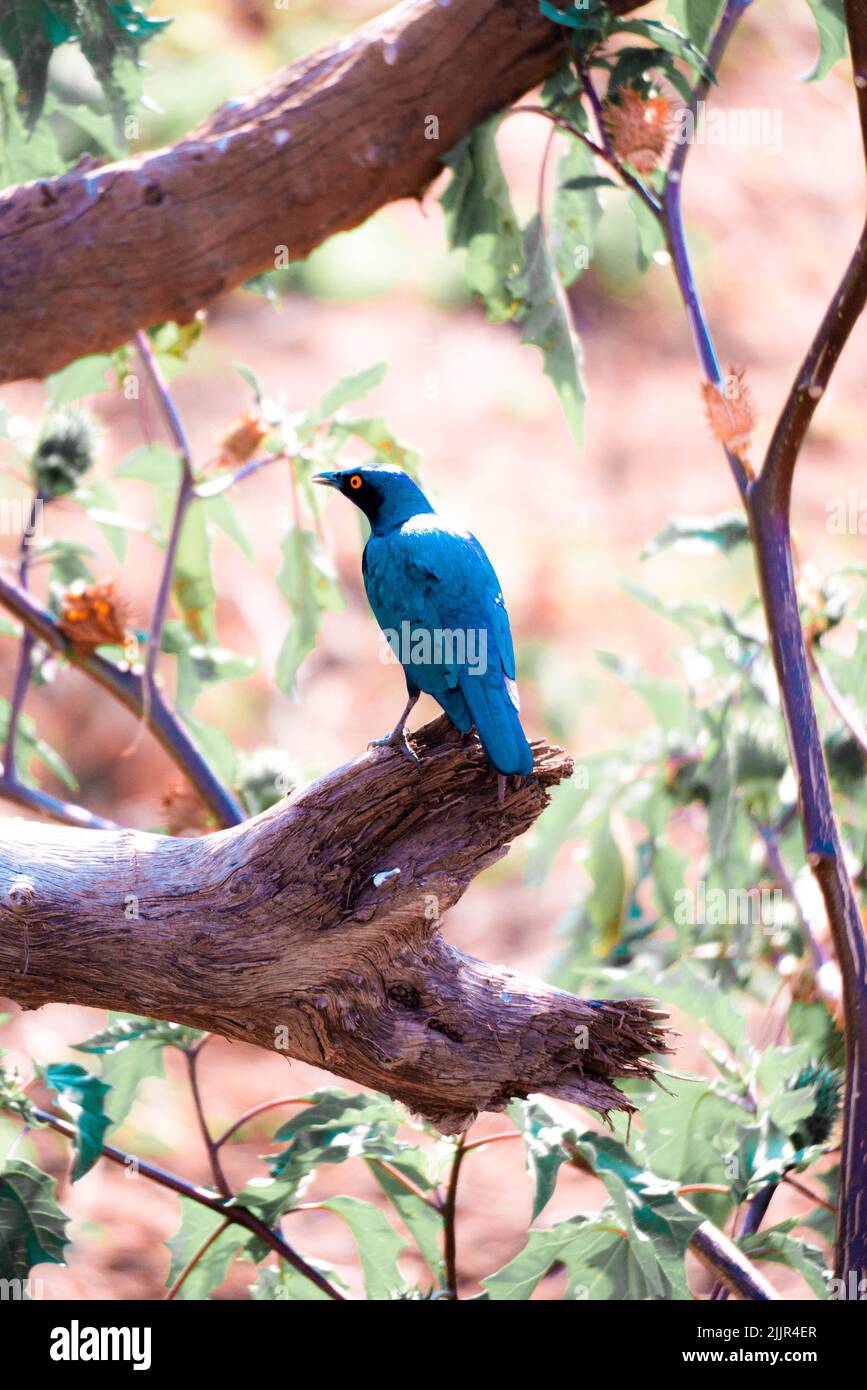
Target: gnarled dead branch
(294,931)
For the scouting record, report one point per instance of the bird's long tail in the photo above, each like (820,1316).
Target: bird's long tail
(493,703)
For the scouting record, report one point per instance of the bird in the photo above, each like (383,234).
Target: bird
(438,600)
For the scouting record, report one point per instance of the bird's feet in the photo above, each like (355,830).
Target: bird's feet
(397,739)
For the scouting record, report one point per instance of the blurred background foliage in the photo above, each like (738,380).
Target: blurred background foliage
(645,657)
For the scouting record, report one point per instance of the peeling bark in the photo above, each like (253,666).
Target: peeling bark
(281,932)
(91,256)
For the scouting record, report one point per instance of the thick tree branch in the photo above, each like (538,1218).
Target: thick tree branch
(88,258)
(292,931)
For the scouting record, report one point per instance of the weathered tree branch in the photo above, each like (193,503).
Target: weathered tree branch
(89,257)
(282,932)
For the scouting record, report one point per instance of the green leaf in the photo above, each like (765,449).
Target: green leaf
(131,1049)
(198,1224)
(336,1127)
(544,1127)
(667,701)
(479,219)
(32,1225)
(546,324)
(378,1245)
(84,377)
(779,1247)
(288,1285)
(424,1224)
(700,534)
(830,17)
(671,40)
(82,1096)
(220,511)
(308,582)
(109,32)
(214,744)
(350,388)
(192,580)
(152,463)
(25,154)
(648,232)
(576,211)
(696,18)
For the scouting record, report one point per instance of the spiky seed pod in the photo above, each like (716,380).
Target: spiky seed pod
(759,753)
(827,1085)
(242,437)
(846,762)
(686,779)
(640,128)
(65,451)
(264,776)
(94,615)
(730,412)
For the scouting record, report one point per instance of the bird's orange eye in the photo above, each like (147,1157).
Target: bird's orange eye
(355,481)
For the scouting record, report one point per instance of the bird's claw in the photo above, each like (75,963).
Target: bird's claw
(396,739)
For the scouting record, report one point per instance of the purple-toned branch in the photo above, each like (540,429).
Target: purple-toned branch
(182,502)
(128,687)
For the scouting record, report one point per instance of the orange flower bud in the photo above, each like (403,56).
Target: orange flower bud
(94,615)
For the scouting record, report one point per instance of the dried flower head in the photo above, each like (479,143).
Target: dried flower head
(94,615)
(730,412)
(183,811)
(640,128)
(242,437)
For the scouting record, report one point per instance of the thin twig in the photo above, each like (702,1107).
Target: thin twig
(629,179)
(450,1211)
(219,1176)
(203,1250)
(23,672)
(55,808)
(258,1110)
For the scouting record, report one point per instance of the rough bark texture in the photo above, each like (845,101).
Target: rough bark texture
(87,258)
(278,932)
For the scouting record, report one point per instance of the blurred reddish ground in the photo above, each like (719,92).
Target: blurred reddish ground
(771,236)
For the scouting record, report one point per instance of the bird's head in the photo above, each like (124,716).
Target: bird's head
(385,494)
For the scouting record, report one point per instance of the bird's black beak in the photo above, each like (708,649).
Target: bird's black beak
(326,479)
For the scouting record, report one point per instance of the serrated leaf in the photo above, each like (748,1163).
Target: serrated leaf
(424,1224)
(544,1127)
(378,1245)
(696,18)
(575,212)
(308,582)
(778,1246)
(700,534)
(84,377)
(198,1224)
(82,1096)
(546,324)
(32,1225)
(479,219)
(351,388)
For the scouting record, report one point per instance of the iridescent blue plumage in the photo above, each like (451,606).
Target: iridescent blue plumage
(436,596)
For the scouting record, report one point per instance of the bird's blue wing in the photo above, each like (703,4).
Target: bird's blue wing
(441,580)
